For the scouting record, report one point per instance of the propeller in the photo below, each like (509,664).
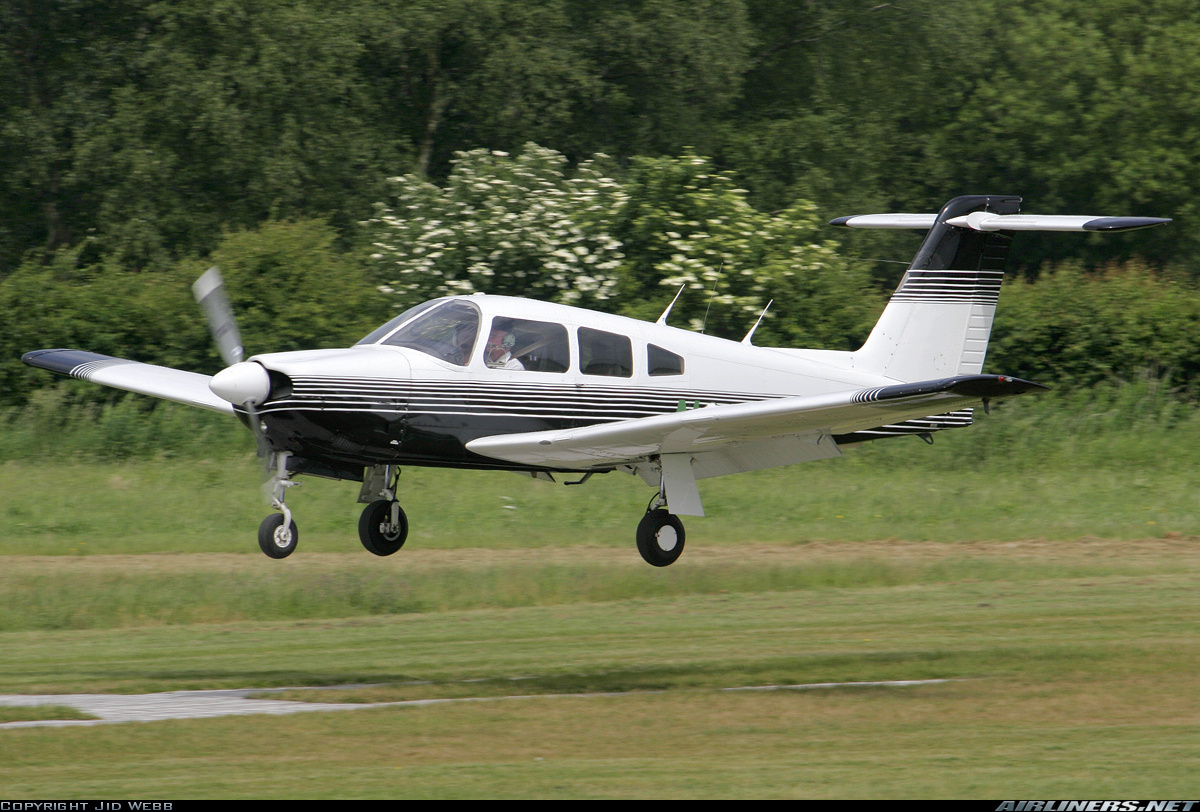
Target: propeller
(242,383)
(247,384)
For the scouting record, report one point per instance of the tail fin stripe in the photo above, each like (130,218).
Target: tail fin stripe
(949,286)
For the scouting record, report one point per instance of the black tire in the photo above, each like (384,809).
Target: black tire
(375,530)
(274,540)
(660,538)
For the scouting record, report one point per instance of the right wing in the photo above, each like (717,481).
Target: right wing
(700,431)
(190,388)
(685,446)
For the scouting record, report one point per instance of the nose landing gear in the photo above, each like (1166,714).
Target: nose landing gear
(277,535)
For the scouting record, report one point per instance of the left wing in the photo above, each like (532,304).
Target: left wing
(698,432)
(145,379)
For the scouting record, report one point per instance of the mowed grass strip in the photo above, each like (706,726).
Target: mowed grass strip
(41,713)
(917,631)
(1063,688)
(983,740)
(131,591)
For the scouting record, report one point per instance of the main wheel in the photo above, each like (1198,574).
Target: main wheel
(378,533)
(276,540)
(660,537)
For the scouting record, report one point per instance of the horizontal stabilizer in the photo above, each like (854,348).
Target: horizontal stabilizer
(987,221)
(190,388)
(921,221)
(699,432)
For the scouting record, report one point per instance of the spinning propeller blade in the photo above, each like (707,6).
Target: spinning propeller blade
(209,290)
(241,383)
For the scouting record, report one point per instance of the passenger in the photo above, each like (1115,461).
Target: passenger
(498,354)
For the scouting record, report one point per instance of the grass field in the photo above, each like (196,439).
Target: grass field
(1044,566)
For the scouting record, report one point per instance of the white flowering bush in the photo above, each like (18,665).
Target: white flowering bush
(525,226)
(513,225)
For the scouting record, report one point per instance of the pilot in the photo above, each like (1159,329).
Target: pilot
(498,354)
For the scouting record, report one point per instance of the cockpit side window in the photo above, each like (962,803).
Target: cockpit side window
(535,346)
(602,353)
(447,332)
(662,362)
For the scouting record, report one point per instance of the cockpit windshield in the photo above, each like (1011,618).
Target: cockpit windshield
(445,329)
(387,328)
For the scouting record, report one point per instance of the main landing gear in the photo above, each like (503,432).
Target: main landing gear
(660,535)
(383,527)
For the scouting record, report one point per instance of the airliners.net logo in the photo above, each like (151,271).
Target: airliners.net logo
(1097,806)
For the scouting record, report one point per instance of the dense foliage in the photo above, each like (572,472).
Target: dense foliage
(684,143)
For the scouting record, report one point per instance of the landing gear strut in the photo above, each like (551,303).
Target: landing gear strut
(660,535)
(277,535)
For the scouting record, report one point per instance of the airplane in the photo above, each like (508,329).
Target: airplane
(508,384)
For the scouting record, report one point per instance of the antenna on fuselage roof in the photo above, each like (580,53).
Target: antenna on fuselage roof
(711,293)
(758,321)
(663,318)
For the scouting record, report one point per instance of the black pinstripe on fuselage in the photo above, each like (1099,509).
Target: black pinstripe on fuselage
(341,424)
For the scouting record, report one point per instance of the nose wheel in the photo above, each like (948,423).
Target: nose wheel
(660,537)
(383,527)
(277,536)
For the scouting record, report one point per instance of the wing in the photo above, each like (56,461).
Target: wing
(811,421)
(145,379)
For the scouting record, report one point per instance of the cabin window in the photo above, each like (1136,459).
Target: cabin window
(663,362)
(447,332)
(602,353)
(535,346)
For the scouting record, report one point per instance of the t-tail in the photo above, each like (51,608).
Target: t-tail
(938,321)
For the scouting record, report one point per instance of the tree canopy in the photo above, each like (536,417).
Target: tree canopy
(693,143)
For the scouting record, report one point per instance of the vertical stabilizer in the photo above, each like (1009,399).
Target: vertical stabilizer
(937,323)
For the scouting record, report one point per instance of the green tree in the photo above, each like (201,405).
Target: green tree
(290,286)
(1077,329)
(58,61)
(1089,109)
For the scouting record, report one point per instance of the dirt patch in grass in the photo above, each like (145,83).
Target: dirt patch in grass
(1185,550)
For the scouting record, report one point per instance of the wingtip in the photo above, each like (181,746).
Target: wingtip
(1124,223)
